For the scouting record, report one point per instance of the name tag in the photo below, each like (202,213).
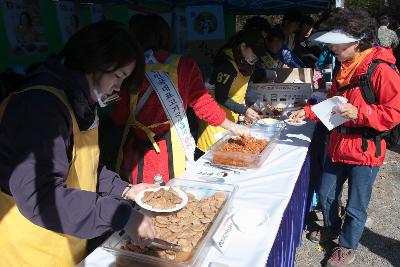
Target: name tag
(223,235)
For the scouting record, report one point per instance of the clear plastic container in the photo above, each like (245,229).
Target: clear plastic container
(247,160)
(127,258)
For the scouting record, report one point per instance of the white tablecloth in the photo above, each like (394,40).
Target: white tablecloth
(269,188)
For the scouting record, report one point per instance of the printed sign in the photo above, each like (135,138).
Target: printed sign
(24,27)
(223,235)
(283,94)
(98,12)
(205,22)
(69,18)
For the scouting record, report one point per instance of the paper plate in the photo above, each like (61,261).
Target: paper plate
(295,123)
(182,195)
(249,220)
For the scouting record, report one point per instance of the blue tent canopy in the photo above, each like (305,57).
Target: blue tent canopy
(265,7)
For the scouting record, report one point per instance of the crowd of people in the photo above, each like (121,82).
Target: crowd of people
(54,188)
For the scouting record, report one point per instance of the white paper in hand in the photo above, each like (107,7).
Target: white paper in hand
(328,112)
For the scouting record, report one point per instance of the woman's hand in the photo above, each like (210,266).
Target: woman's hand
(236,129)
(252,114)
(298,115)
(137,188)
(140,229)
(240,130)
(348,111)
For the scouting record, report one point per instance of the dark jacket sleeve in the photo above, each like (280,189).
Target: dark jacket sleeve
(39,132)
(223,76)
(290,59)
(110,183)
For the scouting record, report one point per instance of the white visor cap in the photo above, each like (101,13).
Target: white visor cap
(334,37)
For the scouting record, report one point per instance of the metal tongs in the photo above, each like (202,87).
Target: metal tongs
(162,244)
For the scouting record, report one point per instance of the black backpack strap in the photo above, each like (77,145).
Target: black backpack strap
(366,84)
(366,133)
(368,94)
(348,86)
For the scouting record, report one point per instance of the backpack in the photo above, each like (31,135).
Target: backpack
(392,136)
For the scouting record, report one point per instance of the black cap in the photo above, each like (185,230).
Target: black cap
(255,40)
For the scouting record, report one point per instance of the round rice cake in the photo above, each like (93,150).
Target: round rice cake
(191,206)
(185,221)
(198,213)
(218,204)
(195,240)
(160,225)
(147,196)
(161,253)
(198,228)
(162,219)
(183,213)
(219,196)
(162,232)
(174,228)
(183,242)
(170,256)
(191,197)
(205,208)
(209,214)
(205,220)
(173,219)
(183,255)
(186,233)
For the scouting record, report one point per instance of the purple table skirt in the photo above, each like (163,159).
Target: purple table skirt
(290,231)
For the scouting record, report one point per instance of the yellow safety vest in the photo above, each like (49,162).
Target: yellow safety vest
(23,243)
(178,153)
(237,93)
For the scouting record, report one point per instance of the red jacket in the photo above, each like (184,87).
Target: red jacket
(382,116)
(193,93)
(141,164)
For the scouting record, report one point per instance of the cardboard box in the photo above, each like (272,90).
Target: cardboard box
(282,94)
(289,75)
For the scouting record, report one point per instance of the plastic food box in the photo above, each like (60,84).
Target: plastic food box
(251,161)
(126,258)
(270,124)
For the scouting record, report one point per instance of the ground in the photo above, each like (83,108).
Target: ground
(380,243)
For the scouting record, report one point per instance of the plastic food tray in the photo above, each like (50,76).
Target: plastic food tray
(127,258)
(252,161)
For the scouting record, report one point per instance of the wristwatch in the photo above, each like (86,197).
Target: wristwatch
(125,192)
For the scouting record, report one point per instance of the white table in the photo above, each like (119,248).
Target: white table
(269,188)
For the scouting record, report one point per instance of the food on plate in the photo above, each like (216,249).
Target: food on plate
(162,199)
(277,111)
(248,121)
(185,227)
(295,120)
